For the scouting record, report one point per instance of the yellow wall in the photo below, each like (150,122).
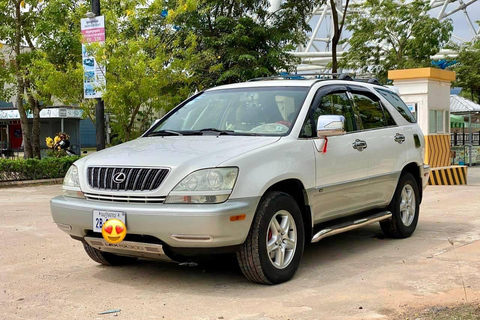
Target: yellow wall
(418,73)
(437,150)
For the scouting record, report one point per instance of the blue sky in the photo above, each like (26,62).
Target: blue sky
(461,28)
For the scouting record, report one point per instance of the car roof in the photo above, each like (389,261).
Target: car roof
(295,83)
(266,83)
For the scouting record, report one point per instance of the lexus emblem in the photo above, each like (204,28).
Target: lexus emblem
(119,177)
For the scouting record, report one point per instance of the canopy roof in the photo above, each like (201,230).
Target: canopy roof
(457,121)
(461,105)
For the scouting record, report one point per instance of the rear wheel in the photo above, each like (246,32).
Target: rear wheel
(274,246)
(405,208)
(107,258)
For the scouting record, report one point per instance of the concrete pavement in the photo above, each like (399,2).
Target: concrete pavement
(357,275)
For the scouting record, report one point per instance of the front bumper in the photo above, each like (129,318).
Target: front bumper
(194,223)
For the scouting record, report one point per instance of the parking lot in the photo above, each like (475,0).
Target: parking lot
(357,275)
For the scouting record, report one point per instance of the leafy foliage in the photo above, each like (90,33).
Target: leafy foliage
(393,35)
(45,36)
(156,52)
(468,70)
(144,65)
(240,40)
(32,169)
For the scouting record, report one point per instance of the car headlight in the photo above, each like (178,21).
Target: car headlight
(71,185)
(205,186)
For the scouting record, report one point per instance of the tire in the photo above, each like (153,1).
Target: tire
(256,263)
(107,258)
(403,221)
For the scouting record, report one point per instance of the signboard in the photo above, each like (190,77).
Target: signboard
(413,109)
(93,31)
(44,113)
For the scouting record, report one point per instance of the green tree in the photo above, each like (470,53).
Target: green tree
(44,37)
(240,40)
(145,66)
(468,70)
(392,34)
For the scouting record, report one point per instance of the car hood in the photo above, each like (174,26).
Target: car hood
(192,152)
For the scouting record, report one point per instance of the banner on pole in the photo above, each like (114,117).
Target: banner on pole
(93,31)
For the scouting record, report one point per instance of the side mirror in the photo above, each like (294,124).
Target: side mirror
(328,126)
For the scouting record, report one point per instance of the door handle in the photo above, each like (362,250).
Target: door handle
(400,138)
(359,145)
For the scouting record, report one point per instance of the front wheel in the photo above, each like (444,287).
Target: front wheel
(274,246)
(405,208)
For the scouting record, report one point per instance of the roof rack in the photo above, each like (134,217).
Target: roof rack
(302,76)
(318,76)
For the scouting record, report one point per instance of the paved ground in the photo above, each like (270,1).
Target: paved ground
(358,275)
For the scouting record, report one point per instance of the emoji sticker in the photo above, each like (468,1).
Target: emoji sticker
(114,231)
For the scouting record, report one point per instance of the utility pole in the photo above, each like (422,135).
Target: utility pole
(100,108)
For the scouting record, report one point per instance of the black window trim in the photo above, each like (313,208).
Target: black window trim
(378,90)
(370,94)
(322,92)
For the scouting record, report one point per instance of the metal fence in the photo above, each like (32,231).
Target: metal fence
(463,139)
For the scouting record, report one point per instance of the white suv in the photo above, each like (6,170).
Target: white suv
(260,168)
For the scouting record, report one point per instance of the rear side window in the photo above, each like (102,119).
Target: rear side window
(372,114)
(398,103)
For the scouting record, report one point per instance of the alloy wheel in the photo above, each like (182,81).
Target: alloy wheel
(281,239)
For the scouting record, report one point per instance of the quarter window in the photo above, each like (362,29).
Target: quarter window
(398,104)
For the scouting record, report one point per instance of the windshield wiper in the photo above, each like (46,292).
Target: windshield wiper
(164,133)
(216,130)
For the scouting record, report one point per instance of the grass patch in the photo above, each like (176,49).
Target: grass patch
(467,311)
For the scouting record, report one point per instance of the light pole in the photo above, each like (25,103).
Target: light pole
(100,108)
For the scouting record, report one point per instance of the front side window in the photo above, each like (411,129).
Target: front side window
(372,114)
(331,104)
(243,111)
(398,103)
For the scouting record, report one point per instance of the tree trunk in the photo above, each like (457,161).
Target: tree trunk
(338,27)
(131,124)
(27,146)
(334,53)
(36,127)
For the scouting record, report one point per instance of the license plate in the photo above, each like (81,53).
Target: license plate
(102,216)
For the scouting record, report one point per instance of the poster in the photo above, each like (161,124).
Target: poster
(93,31)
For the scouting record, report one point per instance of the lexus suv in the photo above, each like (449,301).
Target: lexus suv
(259,169)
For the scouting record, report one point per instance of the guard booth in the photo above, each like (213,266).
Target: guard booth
(427,93)
(53,120)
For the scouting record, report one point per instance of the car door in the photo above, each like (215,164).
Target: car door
(341,173)
(385,140)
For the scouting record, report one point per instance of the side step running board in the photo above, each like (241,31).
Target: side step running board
(350,225)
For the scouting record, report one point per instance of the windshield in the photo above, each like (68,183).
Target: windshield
(245,111)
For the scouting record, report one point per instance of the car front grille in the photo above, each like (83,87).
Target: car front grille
(130,179)
(129,199)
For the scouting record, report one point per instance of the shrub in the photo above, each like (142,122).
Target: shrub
(32,169)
